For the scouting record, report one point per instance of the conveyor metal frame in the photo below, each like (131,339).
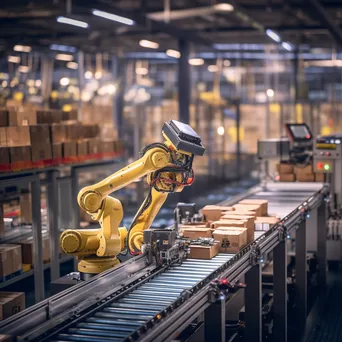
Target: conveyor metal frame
(109,285)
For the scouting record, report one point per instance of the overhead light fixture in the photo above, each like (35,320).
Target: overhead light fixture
(226,63)
(22,48)
(273,35)
(196,61)
(63,48)
(141,71)
(24,69)
(224,7)
(98,74)
(73,22)
(72,65)
(88,75)
(64,81)
(14,59)
(270,92)
(64,57)
(4,84)
(220,130)
(148,44)
(38,83)
(173,53)
(287,46)
(113,17)
(212,68)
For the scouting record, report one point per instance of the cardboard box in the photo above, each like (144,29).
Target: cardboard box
(18,136)
(199,225)
(3,117)
(196,233)
(229,223)
(261,202)
(49,116)
(302,177)
(58,133)
(69,149)
(73,131)
(255,208)
(41,152)
(22,118)
(319,177)
(70,115)
(250,222)
(94,146)
(39,134)
(82,148)
(231,241)
(3,136)
(4,158)
(25,208)
(27,249)
(57,151)
(214,212)
(265,223)
(20,154)
(285,168)
(10,259)
(204,252)
(2,223)
(303,170)
(11,303)
(107,146)
(287,177)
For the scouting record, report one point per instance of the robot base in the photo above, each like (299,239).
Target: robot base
(90,266)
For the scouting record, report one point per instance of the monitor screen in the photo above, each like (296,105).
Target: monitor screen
(299,132)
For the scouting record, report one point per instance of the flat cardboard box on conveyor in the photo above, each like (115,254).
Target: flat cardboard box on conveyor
(261,202)
(204,252)
(242,216)
(231,241)
(214,212)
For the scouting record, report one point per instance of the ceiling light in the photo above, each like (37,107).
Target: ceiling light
(63,57)
(4,84)
(273,35)
(113,17)
(88,75)
(64,81)
(141,71)
(270,92)
(220,130)
(69,21)
(22,48)
(212,68)
(287,46)
(98,74)
(13,59)
(38,83)
(72,65)
(173,53)
(226,63)
(148,44)
(24,69)
(196,61)
(30,83)
(63,48)
(224,7)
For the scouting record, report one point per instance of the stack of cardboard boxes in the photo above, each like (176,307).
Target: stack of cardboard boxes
(10,304)
(291,173)
(38,138)
(233,227)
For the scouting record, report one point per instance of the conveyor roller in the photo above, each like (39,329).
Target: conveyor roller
(121,318)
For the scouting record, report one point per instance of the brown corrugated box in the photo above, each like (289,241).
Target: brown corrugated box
(18,136)
(303,170)
(10,259)
(196,233)
(73,131)
(303,177)
(41,152)
(82,148)
(69,149)
(4,155)
(3,117)
(58,133)
(57,151)
(319,177)
(3,136)
(25,208)
(70,115)
(261,202)
(11,303)
(107,146)
(249,208)
(265,223)
(229,223)
(49,116)
(231,241)
(285,168)
(284,177)
(204,252)
(94,146)
(27,248)
(242,216)
(22,118)
(20,154)
(39,134)
(214,212)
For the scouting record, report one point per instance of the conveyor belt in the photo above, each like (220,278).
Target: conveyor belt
(121,318)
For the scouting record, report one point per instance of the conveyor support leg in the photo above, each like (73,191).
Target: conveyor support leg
(214,321)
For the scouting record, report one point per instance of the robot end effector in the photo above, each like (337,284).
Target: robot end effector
(169,169)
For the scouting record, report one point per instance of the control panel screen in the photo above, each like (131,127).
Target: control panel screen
(299,132)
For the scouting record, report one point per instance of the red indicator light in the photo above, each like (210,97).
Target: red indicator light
(328,154)
(308,136)
(320,166)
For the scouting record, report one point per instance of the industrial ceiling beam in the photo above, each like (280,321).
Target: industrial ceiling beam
(326,21)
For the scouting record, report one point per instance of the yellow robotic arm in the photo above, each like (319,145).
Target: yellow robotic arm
(169,169)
